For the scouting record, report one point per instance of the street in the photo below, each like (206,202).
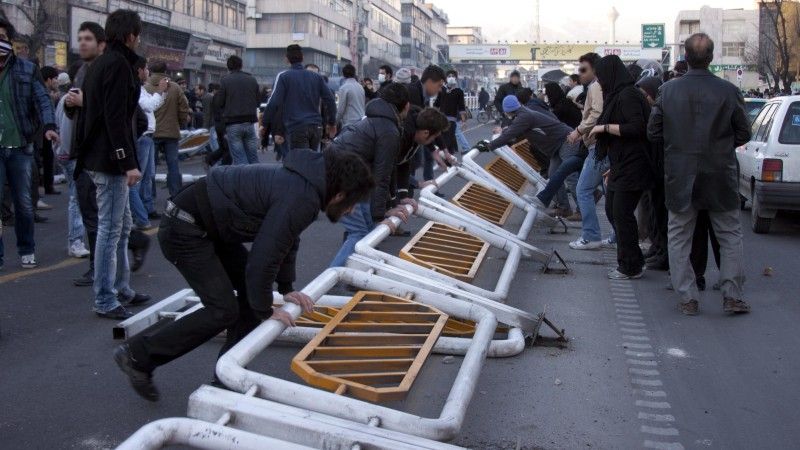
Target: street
(636,374)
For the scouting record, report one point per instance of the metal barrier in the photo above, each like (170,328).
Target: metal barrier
(447,250)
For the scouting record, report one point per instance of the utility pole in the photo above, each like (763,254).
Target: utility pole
(537,30)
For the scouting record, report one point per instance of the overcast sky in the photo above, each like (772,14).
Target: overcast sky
(572,19)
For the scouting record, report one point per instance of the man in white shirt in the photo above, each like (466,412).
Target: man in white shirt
(141,194)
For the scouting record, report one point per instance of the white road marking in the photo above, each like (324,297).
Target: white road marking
(663,445)
(659,430)
(654,405)
(644,372)
(657,417)
(643,382)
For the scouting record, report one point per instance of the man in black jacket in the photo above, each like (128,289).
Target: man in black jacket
(376,139)
(238,98)
(203,234)
(511,88)
(106,150)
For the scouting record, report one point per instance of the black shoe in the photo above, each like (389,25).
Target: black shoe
(154,216)
(142,382)
(85,280)
(137,299)
(701,283)
(118,313)
(139,255)
(39,219)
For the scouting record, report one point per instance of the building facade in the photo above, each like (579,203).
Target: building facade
(423,28)
(464,35)
(735,33)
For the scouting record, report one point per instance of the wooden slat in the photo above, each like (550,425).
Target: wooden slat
(366,351)
(507,174)
(348,339)
(483,202)
(446,250)
(522,149)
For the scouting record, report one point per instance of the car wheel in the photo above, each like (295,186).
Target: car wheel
(760,224)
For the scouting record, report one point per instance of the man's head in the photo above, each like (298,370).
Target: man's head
(50,77)
(396,95)
(433,78)
(141,69)
(524,96)
(91,40)
(511,105)
(403,76)
(349,71)
(234,63)
(200,90)
(452,78)
(385,74)
(312,67)
(182,83)
(124,26)
(212,87)
(159,67)
(294,54)
(348,181)
(680,69)
(574,80)
(699,51)
(514,78)
(431,123)
(648,86)
(7,31)
(367,83)
(586,65)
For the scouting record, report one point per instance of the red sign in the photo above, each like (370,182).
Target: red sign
(498,51)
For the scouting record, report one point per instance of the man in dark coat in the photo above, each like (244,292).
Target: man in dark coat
(203,233)
(511,88)
(701,120)
(483,99)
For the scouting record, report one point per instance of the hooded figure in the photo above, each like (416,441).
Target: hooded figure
(563,108)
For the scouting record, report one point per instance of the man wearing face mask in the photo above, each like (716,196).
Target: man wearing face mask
(24,102)
(385,74)
(203,233)
(450,102)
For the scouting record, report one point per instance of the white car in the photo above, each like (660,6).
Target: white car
(769,165)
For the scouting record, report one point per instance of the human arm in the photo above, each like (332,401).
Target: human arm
(519,126)
(633,123)
(344,98)
(386,147)
(184,110)
(116,119)
(151,102)
(44,105)
(275,101)
(591,110)
(329,101)
(655,126)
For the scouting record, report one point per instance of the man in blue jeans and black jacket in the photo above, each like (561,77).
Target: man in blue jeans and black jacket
(238,99)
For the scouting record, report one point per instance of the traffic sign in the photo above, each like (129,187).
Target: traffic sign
(653,35)
(739,73)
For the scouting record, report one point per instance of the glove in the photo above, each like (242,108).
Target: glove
(483,146)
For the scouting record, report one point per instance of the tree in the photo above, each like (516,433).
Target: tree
(37,15)
(779,35)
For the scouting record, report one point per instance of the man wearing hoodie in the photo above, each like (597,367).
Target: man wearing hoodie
(376,139)
(203,234)
(173,115)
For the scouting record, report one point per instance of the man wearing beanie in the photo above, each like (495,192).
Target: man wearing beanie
(511,88)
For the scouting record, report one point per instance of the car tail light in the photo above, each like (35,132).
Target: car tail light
(772,170)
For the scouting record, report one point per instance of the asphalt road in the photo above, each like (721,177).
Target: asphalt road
(637,373)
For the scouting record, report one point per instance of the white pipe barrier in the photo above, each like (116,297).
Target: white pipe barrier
(231,367)
(186,178)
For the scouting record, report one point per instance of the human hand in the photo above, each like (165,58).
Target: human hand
(497,130)
(606,176)
(411,202)
(279,140)
(52,136)
(399,212)
(483,146)
(74,98)
(300,299)
(283,317)
(390,224)
(573,137)
(597,129)
(427,183)
(331,130)
(133,176)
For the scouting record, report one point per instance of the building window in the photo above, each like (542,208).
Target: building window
(733,29)
(689,27)
(733,49)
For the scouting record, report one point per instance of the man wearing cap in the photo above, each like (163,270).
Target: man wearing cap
(547,135)
(511,88)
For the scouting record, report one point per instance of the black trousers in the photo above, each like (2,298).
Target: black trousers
(658,219)
(449,138)
(703,232)
(305,136)
(620,209)
(213,270)
(47,166)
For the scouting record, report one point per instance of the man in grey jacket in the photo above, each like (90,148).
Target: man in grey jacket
(352,99)
(700,119)
(238,99)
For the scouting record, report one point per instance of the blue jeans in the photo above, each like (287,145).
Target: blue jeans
(15,168)
(556,182)
(591,177)
(242,143)
(75,228)
(462,140)
(111,270)
(213,140)
(357,224)
(170,148)
(141,194)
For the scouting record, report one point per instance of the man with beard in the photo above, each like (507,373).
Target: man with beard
(203,233)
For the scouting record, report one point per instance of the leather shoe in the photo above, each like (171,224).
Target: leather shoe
(85,280)
(139,255)
(118,313)
(141,381)
(137,299)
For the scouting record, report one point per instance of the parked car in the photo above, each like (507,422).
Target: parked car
(769,165)
(753,106)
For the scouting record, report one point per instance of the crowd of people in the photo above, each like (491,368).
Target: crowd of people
(610,130)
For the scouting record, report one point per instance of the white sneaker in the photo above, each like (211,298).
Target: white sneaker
(78,250)
(29,261)
(606,243)
(583,244)
(42,205)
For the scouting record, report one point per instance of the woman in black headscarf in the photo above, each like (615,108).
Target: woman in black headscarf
(622,136)
(564,109)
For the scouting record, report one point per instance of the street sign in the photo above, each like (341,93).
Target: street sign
(739,73)
(652,35)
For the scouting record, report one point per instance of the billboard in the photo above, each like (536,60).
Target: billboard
(547,52)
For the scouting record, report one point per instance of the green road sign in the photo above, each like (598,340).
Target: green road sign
(652,35)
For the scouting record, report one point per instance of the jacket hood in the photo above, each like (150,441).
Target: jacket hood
(612,75)
(153,81)
(554,93)
(309,165)
(381,108)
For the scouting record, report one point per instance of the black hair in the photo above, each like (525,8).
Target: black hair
(575,77)
(95,28)
(294,53)
(234,63)
(452,72)
(396,94)
(347,173)
(73,69)
(387,69)
(212,87)
(365,79)
(10,30)
(432,120)
(524,95)
(699,51)
(433,73)
(141,63)
(590,58)
(348,71)
(158,67)
(681,67)
(121,24)
(514,73)
(311,65)
(48,73)
(201,86)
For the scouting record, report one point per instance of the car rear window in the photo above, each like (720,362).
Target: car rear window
(790,130)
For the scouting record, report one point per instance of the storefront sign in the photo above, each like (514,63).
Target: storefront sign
(174,58)
(629,52)
(61,54)
(218,54)
(195,52)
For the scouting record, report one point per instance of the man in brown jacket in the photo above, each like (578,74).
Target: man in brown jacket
(174,113)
